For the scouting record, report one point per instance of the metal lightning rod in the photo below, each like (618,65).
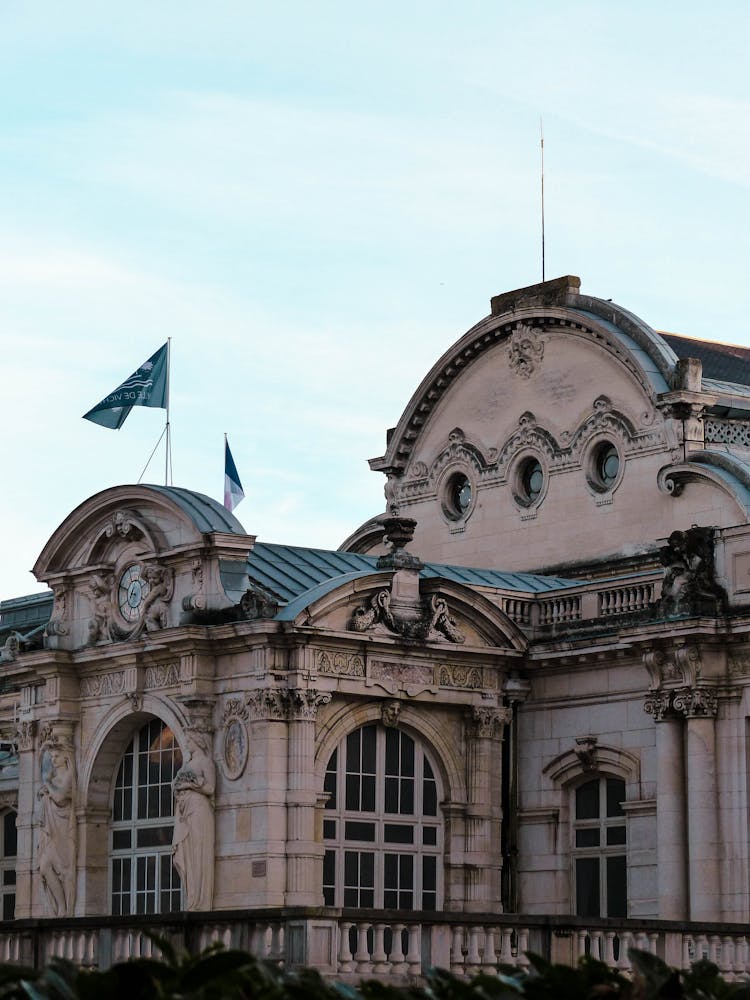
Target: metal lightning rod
(541,138)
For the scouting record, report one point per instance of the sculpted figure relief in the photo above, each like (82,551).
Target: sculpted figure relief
(100,590)
(690,585)
(193,842)
(160,587)
(57,827)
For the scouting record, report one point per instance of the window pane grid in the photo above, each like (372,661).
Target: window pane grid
(599,838)
(143,878)
(387,782)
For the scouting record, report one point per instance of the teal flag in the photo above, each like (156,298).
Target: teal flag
(147,386)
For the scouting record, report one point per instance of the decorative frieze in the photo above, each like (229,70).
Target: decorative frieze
(103,685)
(162,675)
(459,676)
(396,675)
(340,664)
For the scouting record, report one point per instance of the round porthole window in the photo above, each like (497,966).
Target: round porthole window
(531,480)
(458,496)
(606,466)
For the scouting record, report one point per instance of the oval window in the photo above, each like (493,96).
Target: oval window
(532,480)
(606,465)
(458,496)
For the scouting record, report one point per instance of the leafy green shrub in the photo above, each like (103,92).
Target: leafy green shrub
(219,974)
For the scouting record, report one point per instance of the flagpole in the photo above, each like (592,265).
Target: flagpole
(168,452)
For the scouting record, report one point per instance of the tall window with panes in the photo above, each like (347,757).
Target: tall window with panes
(382,830)
(143,878)
(599,848)
(8,865)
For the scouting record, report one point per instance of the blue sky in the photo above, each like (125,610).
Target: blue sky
(314,201)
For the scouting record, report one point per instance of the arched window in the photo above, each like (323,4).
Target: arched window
(383,833)
(143,878)
(599,848)
(8,865)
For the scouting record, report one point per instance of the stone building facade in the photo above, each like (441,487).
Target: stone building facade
(524,688)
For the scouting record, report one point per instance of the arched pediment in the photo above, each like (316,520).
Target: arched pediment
(140,558)
(443,612)
(519,325)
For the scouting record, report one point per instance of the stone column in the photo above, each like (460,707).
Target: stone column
(671,840)
(484,772)
(700,706)
(28,782)
(304,853)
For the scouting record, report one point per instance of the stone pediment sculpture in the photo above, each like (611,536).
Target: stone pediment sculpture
(433,624)
(690,585)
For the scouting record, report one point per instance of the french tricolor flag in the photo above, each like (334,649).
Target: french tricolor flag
(233,492)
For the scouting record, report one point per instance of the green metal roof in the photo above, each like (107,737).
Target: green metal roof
(287,572)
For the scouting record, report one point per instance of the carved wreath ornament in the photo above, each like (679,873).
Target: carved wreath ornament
(434,623)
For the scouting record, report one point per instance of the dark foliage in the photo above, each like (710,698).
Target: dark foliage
(219,974)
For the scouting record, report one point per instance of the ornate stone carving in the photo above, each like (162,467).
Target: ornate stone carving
(487,723)
(136,700)
(162,675)
(525,350)
(102,685)
(194,828)
(9,651)
(689,585)
(100,593)
(304,703)
(458,676)
(340,664)
(658,704)
(254,604)
(58,623)
(434,623)
(268,703)
(390,712)
(400,675)
(57,823)
(25,733)
(160,580)
(585,751)
(234,740)
(695,702)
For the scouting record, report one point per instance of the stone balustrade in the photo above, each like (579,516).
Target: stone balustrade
(351,945)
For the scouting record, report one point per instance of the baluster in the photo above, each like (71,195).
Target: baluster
(626,943)
(595,938)
(506,947)
(653,942)
(740,954)
(345,956)
(582,938)
(473,959)
(277,943)
(522,947)
(362,956)
(397,957)
(489,958)
(414,955)
(609,948)
(701,947)
(457,950)
(379,957)
(687,947)
(714,954)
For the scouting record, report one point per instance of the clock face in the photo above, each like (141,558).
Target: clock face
(131,593)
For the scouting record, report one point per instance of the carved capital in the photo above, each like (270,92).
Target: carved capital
(304,703)
(488,723)
(696,702)
(268,703)
(234,708)
(25,734)
(658,704)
